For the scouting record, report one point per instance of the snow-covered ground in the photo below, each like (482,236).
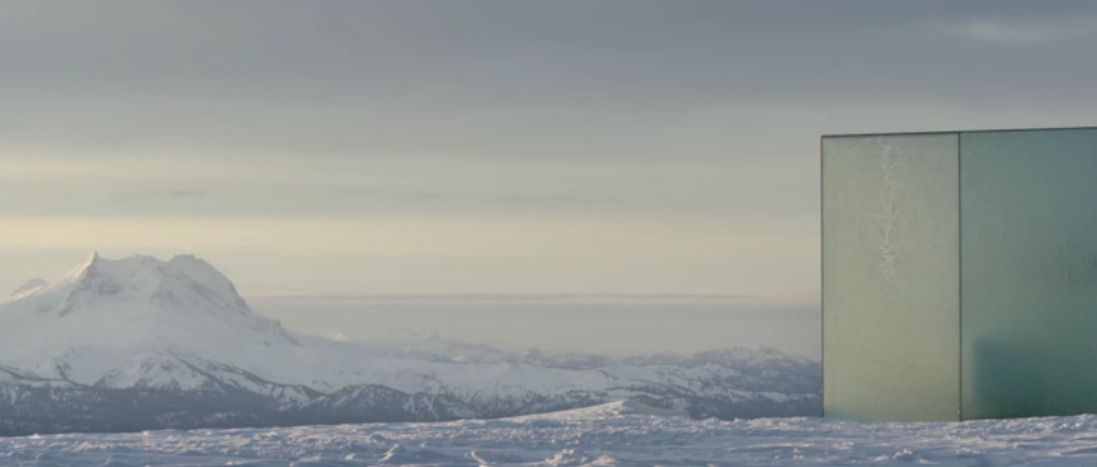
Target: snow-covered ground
(616,433)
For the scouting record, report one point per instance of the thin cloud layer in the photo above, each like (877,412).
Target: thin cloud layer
(549,126)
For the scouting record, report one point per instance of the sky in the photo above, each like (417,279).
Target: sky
(489,147)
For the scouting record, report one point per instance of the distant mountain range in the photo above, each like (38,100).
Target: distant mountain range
(139,343)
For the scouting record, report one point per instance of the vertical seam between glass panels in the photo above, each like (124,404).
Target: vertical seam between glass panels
(960,275)
(822,279)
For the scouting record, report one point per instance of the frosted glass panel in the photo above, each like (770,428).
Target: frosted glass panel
(1029,266)
(890,277)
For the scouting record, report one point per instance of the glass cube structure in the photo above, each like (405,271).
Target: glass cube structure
(959,274)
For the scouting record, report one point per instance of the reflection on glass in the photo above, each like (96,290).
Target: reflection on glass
(1029,259)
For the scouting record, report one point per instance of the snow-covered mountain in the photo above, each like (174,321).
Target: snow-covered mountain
(140,343)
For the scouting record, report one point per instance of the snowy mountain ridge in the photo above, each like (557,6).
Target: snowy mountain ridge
(175,339)
(28,288)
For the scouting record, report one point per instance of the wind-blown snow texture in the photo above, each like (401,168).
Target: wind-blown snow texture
(140,343)
(617,433)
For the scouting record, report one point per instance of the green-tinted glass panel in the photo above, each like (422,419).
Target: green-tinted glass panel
(1029,267)
(890,277)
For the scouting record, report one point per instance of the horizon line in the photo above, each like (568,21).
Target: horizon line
(527,296)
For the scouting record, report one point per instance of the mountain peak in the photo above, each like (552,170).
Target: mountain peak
(137,302)
(185,284)
(88,263)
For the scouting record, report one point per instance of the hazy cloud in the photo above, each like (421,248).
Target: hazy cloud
(554,201)
(175,193)
(1026,31)
(515,135)
(375,193)
(496,78)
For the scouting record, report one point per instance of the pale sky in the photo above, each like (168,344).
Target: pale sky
(456,147)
